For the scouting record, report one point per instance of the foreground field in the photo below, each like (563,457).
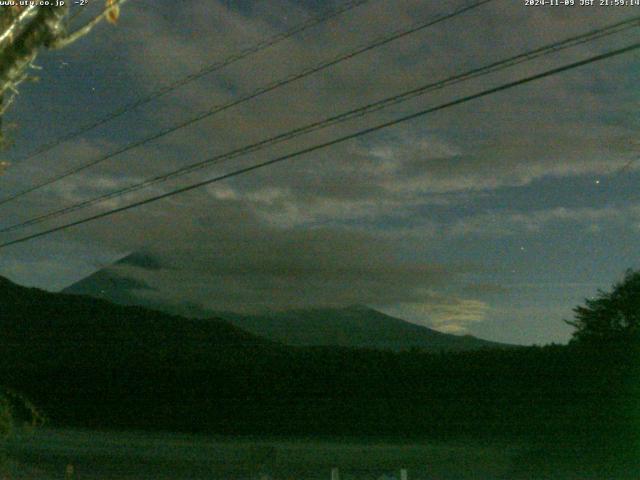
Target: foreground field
(96,455)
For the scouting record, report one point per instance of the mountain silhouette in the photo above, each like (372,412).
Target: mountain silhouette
(91,363)
(37,319)
(353,326)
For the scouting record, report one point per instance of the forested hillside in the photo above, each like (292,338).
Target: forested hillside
(89,363)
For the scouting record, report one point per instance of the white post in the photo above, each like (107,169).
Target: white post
(335,474)
(403,474)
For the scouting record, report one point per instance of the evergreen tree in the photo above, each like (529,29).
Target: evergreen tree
(611,316)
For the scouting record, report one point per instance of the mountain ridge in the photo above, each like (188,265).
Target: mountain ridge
(355,326)
(92,364)
(39,314)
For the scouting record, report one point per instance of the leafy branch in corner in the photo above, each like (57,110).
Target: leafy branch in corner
(24,32)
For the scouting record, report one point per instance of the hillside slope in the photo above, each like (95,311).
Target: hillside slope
(90,363)
(52,325)
(355,326)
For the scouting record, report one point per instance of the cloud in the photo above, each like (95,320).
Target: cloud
(507,223)
(478,147)
(221,263)
(485,289)
(142,260)
(360,222)
(443,313)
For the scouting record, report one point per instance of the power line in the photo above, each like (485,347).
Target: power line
(329,143)
(256,93)
(225,62)
(355,113)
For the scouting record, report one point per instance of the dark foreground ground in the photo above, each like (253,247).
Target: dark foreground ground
(45,454)
(560,412)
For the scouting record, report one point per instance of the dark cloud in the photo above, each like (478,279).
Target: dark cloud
(484,289)
(386,220)
(253,266)
(142,260)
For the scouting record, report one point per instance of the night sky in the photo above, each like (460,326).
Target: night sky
(494,218)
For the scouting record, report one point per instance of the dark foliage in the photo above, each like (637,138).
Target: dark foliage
(611,317)
(90,363)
